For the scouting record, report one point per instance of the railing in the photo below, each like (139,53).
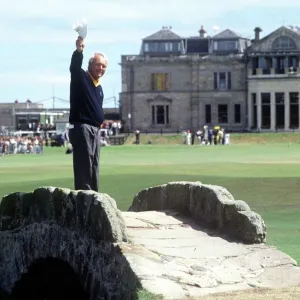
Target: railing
(117,139)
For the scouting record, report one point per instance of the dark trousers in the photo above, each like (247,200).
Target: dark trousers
(85,140)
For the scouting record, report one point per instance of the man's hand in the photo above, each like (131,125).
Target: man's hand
(79,44)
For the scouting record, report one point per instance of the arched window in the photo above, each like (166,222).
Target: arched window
(284,43)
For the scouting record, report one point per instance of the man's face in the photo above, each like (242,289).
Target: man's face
(98,68)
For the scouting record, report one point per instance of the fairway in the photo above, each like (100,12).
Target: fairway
(266,176)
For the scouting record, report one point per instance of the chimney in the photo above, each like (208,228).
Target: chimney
(257,31)
(202,32)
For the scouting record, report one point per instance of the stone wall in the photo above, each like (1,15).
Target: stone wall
(82,228)
(210,205)
(191,87)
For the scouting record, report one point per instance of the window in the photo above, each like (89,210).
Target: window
(225,45)
(160,82)
(153,114)
(223,113)
(294,109)
(279,98)
(222,81)
(168,47)
(207,113)
(162,47)
(284,42)
(265,110)
(254,110)
(237,113)
(160,114)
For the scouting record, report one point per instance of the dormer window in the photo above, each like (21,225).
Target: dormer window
(284,42)
(162,47)
(225,45)
(168,47)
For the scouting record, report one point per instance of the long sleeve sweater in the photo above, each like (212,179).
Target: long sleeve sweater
(85,98)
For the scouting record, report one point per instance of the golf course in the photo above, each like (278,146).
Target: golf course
(264,172)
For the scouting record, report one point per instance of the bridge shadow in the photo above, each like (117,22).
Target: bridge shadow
(199,225)
(52,279)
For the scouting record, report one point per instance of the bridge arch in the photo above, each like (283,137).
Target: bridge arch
(73,231)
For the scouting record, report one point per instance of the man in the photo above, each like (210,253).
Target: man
(86,117)
(137,137)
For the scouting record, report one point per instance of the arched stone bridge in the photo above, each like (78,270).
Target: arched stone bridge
(61,244)
(180,240)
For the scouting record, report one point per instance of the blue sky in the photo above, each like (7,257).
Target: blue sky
(37,39)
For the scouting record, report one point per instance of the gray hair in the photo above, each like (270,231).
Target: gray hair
(92,59)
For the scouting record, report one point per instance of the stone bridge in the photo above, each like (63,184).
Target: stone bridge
(61,244)
(180,240)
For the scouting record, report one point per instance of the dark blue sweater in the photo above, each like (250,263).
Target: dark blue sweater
(85,98)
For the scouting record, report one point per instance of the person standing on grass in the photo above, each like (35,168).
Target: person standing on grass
(86,117)
(137,137)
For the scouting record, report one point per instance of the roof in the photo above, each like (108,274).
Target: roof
(281,29)
(226,34)
(295,32)
(164,34)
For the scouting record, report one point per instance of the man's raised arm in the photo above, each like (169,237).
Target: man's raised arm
(77,57)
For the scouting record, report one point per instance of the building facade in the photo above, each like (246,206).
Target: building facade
(274,81)
(178,83)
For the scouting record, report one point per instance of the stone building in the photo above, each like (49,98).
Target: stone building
(183,83)
(274,80)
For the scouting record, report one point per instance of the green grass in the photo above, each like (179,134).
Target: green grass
(266,176)
(145,295)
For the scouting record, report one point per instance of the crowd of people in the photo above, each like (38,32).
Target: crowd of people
(37,127)
(14,144)
(114,127)
(21,144)
(207,136)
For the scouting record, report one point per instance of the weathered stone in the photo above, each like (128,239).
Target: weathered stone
(80,228)
(42,204)
(135,223)
(249,227)
(279,277)
(33,243)
(157,218)
(169,253)
(241,205)
(216,247)
(11,210)
(153,198)
(85,211)
(232,207)
(165,287)
(211,205)
(225,288)
(207,204)
(178,195)
(198,262)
